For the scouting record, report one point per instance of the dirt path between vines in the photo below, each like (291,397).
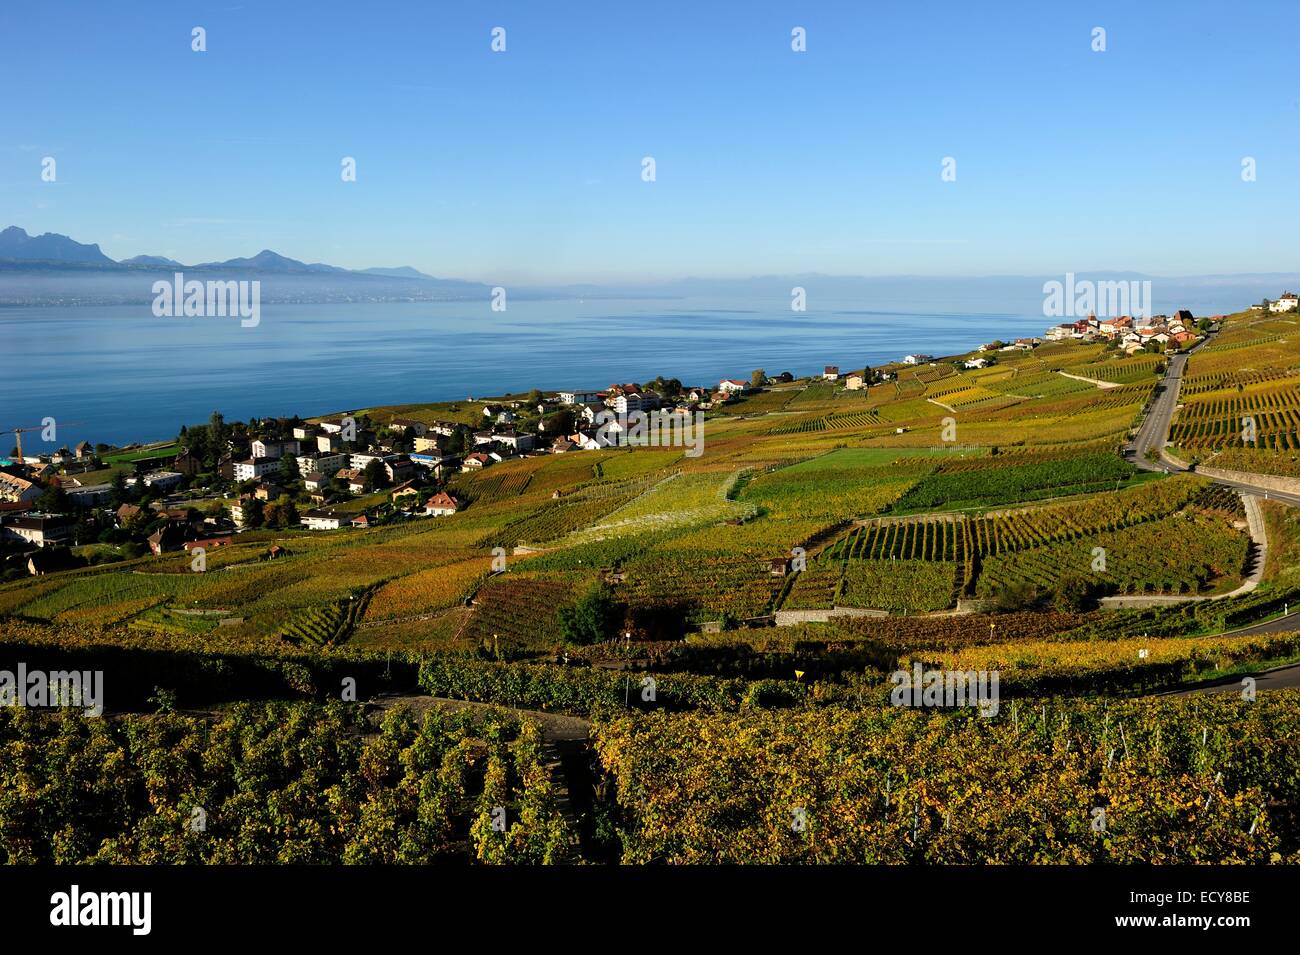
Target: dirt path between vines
(556,727)
(565,744)
(1103,385)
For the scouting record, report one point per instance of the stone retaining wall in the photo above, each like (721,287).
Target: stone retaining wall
(790,618)
(1274,482)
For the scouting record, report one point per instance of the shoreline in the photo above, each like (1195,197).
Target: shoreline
(501,369)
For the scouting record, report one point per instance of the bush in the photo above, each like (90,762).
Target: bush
(1015,595)
(593,618)
(1075,594)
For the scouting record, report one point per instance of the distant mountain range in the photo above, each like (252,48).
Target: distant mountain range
(52,249)
(17,246)
(55,269)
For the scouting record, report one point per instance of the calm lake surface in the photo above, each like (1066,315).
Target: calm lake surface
(128,376)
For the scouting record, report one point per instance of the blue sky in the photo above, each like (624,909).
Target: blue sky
(526,165)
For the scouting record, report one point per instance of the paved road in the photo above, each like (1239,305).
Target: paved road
(1153,434)
(1277,625)
(1284,678)
(1154,431)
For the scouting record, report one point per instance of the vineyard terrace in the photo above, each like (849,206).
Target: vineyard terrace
(946,688)
(57,688)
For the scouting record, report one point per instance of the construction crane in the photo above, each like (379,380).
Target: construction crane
(19,432)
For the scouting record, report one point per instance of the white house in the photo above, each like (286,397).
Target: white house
(160,480)
(976,363)
(359,460)
(629,402)
(733,386)
(519,440)
(1287,303)
(253,468)
(329,443)
(854,382)
(917,359)
(317,520)
(326,462)
(831,373)
(355,480)
(441,504)
(42,530)
(579,397)
(262,448)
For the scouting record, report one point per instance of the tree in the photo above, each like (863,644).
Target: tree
(281,514)
(254,512)
(594,618)
(53,500)
(1074,593)
(218,431)
(375,476)
(758,378)
(459,441)
(138,522)
(119,493)
(1015,595)
(558,422)
(289,469)
(668,387)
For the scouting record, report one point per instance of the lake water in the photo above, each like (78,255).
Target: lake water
(128,376)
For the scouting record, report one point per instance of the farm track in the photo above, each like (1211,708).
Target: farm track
(565,738)
(1103,385)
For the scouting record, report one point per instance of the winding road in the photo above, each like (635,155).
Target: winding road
(1153,435)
